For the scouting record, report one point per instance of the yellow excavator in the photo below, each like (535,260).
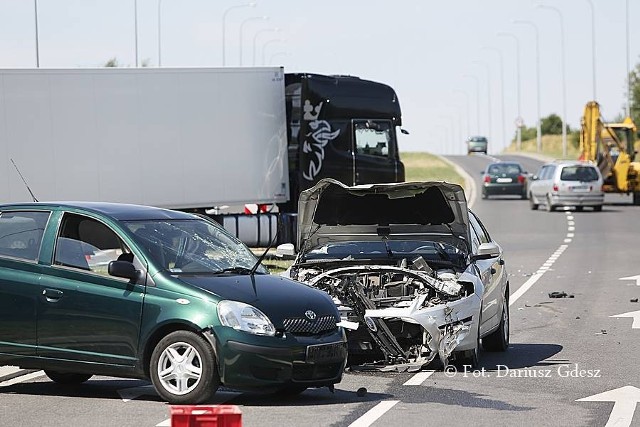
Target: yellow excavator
(611,147)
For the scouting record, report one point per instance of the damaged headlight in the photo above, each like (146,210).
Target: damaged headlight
(245,317)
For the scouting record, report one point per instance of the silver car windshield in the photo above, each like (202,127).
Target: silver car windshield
(192,247)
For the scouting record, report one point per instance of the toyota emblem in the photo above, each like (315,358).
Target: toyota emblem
(310,315)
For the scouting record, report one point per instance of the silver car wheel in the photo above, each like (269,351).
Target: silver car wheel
(179,368)
(505,320)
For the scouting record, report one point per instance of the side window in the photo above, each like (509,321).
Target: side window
(21,234)
(87,244)
(475,240)
(372,138)
(550,171)
(477,225)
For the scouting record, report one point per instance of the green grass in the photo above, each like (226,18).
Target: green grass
(551,147)
(427,167)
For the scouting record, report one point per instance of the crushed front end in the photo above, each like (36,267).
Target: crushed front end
(405,315)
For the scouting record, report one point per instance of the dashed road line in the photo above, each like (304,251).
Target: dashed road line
(374,413)
(22,378)
(419,378)
(546,266)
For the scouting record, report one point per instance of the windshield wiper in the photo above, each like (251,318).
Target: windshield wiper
(264,254)
(237,269)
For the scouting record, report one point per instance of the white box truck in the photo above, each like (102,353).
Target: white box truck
(194,138)
(176,138)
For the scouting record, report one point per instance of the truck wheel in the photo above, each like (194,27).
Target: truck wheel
(597,208)
(183,369)
(67,378)
(636,198)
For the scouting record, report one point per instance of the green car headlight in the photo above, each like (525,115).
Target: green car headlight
(245,317)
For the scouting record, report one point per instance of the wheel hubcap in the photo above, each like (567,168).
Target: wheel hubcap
(180,368)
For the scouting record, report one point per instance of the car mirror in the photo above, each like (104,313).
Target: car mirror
(534,177)
(286,250)
(486,251)
(123,269)
(404,131)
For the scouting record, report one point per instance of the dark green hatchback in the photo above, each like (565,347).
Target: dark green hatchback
(140,292)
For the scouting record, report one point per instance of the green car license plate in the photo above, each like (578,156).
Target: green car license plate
(325,352)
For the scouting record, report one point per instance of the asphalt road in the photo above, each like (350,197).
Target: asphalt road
(562,350)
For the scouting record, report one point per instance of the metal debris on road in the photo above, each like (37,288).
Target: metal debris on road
(362,391)
(633,300)
(560,294)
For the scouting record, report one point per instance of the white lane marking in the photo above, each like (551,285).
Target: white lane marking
(571,228)
(626,398)
(374,413)
(635,315)
(570,217)
(570,234)
(538,274)
(130,393)
(22,378)
(567,240)
(419,378)
(8,370)
(571,223)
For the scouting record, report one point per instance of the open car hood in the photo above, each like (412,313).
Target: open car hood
(332,212)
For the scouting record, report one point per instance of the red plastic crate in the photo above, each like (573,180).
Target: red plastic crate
(206,416)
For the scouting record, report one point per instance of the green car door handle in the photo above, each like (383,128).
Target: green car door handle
(52,295)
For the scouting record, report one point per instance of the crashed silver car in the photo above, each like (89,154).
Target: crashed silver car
(413,271)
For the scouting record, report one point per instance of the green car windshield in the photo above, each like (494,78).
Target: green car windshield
(193,247)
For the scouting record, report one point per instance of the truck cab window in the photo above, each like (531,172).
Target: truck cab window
(372,138)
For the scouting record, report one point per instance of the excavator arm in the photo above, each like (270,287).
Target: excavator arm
(601,144)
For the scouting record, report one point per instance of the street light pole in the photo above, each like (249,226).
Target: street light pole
(253,18)
(255,38)
(564,78)
(475,78)
(35,5)
(519,118)
(486,66)
(593,45)
(466,97)
(264,48)
(539,124)
(159,33)
(628,63)
(224,23)
(504,128)
(135,25)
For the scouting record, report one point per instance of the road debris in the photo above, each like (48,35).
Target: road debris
(362,391)
(633,300)
(560,294)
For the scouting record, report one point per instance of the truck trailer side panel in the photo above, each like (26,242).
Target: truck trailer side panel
(178,138)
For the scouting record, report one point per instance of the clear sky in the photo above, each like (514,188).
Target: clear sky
(430,51)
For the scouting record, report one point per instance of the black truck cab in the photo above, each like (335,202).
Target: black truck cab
(340,127)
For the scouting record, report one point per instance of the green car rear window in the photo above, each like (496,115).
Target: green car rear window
(21,233)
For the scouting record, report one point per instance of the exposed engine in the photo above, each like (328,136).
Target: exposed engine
(363,290)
